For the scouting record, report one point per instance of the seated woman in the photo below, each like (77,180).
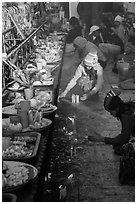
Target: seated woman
(75,30)
(123,111)
(89,76)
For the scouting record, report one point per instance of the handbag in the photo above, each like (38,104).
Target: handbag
(127,165)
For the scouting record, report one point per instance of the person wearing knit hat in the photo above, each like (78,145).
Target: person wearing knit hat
(83,46)
(125,113)
(88,76)
(91,59)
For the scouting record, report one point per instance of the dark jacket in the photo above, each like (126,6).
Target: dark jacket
(127,130)
(109,37)
(96,41)
(114,39)
(73,33)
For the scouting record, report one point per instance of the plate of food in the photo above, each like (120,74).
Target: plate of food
(22,146)
(9,110)
(47,82)
(20,89)
(16,174)
(48,108)
(16,87)
(36,126)
(51,58)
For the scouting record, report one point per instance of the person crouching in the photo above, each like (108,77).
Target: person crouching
(88,75)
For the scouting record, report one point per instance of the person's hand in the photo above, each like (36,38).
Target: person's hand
(83,97)
(62,95)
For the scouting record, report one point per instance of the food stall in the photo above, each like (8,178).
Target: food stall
(31,71)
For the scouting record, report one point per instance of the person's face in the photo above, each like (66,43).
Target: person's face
(94,60)
(88,67)
(96,33)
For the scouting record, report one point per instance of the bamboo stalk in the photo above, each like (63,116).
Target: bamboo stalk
(16,25)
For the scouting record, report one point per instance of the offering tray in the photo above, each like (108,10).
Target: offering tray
(17,174)
(37,127)
(23,146)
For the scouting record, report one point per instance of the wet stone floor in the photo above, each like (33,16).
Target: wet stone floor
(83,171)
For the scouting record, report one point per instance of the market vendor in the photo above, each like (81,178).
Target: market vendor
(83,46)
(123,111)
(89,76)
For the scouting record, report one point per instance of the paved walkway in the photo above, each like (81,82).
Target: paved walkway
(96,179)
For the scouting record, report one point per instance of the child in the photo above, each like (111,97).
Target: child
(89,76)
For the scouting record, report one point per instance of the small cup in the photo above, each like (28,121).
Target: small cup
(25,105)
(29,93)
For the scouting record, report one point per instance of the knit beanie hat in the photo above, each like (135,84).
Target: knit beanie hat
(89,57)
(80,42)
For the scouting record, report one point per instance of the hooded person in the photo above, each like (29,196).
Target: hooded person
(124,112)
(119,29)
(83,46)
(88,76)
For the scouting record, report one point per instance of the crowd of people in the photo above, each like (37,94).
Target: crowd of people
(102,43)
(109,40)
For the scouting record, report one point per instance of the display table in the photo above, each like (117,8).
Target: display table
(33,191)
